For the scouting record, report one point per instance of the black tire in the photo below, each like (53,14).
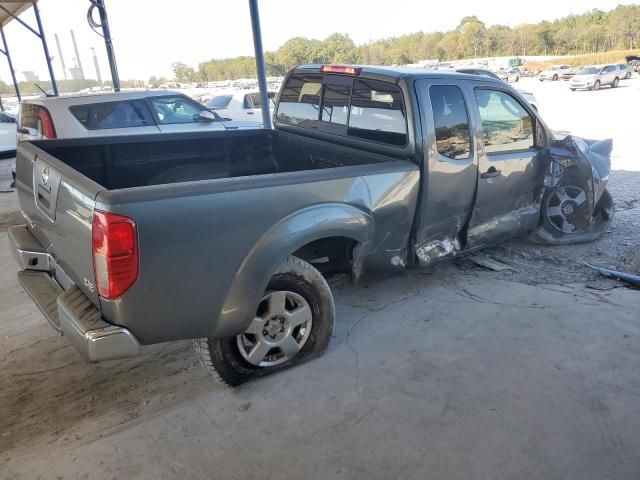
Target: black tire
(627,76)
(547,234)
(555,77)
(596,86)
(572,89)
(541,79)
(222,358)
(615,83)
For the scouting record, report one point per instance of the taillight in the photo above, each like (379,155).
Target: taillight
(115,253)
(47,129)
(348,69)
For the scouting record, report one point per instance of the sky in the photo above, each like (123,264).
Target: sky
(148,35)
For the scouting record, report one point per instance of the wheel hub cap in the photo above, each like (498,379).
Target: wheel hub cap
(279,331)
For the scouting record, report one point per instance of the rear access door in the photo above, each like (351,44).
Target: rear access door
(512,158)
(450,168)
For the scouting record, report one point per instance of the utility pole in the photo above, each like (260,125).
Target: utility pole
(64,69)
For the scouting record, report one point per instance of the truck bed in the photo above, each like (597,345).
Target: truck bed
(137,161)
(205,239)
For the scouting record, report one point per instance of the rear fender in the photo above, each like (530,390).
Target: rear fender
(280,241)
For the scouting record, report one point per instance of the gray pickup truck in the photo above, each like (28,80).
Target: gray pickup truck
(227,237)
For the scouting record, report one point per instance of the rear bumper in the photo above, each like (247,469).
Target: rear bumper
(68,311)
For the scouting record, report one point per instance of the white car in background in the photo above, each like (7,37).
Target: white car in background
(553,73)
(117,113)
(8,123)
(240,104)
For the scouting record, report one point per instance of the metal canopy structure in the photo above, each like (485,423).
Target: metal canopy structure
(11,10)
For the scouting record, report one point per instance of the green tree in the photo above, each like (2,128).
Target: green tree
(182,72)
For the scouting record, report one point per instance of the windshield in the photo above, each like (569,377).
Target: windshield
(588,71)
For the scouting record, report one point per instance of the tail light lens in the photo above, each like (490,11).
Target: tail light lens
(47,129)
(115,253)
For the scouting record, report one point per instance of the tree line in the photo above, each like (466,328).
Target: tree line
(590,32)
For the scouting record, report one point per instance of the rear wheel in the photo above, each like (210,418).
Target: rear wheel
(293,323)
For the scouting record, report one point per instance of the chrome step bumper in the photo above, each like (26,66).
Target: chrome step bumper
(68,311)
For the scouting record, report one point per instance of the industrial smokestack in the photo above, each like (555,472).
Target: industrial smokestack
(75,48)
(64,69)
(95,62)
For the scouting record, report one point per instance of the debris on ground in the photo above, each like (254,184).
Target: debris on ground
(490,263)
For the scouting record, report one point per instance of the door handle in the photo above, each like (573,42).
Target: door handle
(491,173)
(249,112)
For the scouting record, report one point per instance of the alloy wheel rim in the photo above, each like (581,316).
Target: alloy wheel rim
(279,330)
(564,209)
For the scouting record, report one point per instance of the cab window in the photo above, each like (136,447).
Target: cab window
(299,103)
(451,122)
(377,113)
(108,115)
(175,110)
(506,125)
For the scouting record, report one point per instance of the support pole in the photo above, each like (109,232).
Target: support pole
(8,55)
(75,49)
(54,85)
(262,77)
(64,67)
(106,33)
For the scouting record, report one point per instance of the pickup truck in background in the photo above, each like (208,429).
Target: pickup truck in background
(226,237)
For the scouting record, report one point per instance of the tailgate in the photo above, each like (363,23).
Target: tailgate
(58,204)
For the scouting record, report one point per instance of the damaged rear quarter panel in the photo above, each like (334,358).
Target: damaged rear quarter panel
(239,230)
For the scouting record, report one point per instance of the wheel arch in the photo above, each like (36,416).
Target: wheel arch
(292,233)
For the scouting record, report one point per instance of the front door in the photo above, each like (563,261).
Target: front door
(511,167)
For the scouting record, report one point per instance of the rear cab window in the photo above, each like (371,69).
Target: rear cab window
(108,115)
(451,122)
(360,108)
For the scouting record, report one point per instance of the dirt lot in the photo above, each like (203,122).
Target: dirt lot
(455,372)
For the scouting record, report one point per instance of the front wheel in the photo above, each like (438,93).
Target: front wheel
(596,86)
(616,81)
(555,77)
(293,323)
(564,219)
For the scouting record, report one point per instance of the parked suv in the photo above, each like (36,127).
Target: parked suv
(117,113)
(592,78)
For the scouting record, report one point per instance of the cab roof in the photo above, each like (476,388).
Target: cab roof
(398,73)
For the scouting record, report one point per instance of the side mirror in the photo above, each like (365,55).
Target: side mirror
(206,116)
